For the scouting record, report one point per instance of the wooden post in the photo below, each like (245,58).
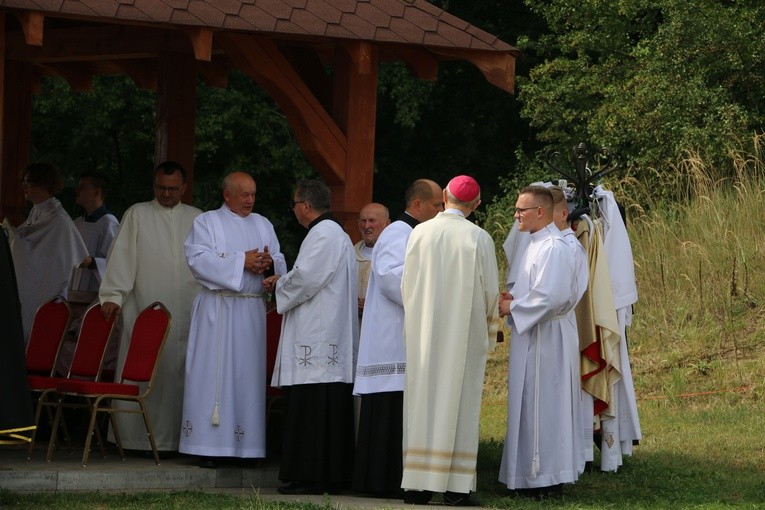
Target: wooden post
(16,126)
(355,110)
(176,113)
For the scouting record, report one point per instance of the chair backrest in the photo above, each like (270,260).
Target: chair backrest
(149,334)
(48,329)
(95,332)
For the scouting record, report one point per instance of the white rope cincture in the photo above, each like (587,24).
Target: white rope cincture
(215,418)
(535,459)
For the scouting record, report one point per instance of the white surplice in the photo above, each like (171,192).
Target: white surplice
(98,237)
(319,300)
(450,292)
(45,249)
(225,384)
(382,357)
(147,263)
(542,445)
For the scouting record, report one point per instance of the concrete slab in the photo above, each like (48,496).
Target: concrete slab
(136,472)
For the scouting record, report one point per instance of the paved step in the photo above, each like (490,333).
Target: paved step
(136,472)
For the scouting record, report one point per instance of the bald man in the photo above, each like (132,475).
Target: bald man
(228,250)
(373,218)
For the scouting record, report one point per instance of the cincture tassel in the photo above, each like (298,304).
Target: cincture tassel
(535,459)
(215,418)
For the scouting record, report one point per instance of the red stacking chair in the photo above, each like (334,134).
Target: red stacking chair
(146,342)
(49,327)
(89,351)
(48,331)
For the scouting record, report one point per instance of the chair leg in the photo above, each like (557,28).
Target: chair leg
(54,428)
(100,439)
(116,433)
(38,412)
(89,435)
(149,431)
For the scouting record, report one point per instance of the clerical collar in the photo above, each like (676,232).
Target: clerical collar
(97,214)
(454,211)
(409,219)
(326,216)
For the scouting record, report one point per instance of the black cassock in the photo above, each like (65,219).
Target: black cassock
(16,417)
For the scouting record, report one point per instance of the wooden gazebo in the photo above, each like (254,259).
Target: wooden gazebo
(318,59)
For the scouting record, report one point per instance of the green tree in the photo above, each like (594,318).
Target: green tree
(651,79)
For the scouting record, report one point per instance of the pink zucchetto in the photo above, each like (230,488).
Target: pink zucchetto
(464,188)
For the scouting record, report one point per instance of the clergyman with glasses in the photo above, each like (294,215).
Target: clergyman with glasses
(147,263)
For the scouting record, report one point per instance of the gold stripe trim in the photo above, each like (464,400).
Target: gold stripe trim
(423,452)
(417,466)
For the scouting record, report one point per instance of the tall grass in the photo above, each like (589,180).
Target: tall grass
(700,268)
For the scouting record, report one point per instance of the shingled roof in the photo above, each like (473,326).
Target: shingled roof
(410,22)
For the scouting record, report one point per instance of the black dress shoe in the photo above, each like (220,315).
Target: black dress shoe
(294,488)
(417,497)
(208,462)
(460,499)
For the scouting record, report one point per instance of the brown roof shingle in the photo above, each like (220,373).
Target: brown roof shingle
(395,21)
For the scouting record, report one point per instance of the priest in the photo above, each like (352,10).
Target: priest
(146,263)
(97,226)
(450,289)
(47,246)
(316,355)
(382,359)
(224,403)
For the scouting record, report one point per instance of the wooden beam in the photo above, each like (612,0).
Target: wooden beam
(32,23)
(316,132)
(420,62)
(215,72)
(497,67)
(79,79)
(201,41)
(16,135)
(106,42)
(355,110)
(142,72)
(313,71)
(176,114)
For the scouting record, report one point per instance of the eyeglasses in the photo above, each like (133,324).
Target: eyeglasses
(166,189)
(294,202)
(521,210)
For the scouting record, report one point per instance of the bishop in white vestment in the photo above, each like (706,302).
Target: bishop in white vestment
(225,391)
(450,289)
(146,264)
